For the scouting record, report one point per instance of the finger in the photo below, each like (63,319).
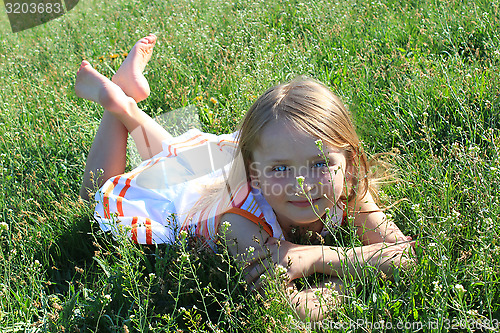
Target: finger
(272,241)
(259,284)
(258,257)
(256,270)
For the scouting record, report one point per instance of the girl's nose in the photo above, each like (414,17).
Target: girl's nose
(304,188)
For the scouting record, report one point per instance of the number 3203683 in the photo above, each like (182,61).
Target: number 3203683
(33,8)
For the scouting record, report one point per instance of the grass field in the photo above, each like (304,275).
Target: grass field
(421,78)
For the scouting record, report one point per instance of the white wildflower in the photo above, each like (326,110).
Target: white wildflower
(460,289)
(437,286)
(473,313)
(4,226)
(184,257)
(280,270)
(183,234)
(226,225)
(300,180)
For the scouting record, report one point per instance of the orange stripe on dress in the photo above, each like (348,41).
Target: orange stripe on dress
(174,146)
(134,229)
(190,139)
(253,206)
(105,198)
(238,211)
(229,143)
(192,145)
(149,232)
(119,200)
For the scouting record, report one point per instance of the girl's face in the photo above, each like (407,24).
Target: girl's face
(286,153)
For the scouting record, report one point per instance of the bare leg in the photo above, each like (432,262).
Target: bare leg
(148,135)
(94,86)
(107,155)
(108,152)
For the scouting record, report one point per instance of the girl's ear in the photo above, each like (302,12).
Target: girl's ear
(254,179)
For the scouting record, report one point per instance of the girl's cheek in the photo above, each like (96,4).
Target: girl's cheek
(276,181)
(333,184)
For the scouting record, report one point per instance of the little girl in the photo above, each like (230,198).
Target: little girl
(257,187)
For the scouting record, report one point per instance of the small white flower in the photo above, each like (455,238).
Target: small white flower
(460,289)
(152,276)
(107,298)
(300,180)
(184,257)
(226,224)
(183,234)
(437,286)
(250,250)
(4,226)
(473,313)
(280,270)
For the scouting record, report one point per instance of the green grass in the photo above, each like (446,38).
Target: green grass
(421,78)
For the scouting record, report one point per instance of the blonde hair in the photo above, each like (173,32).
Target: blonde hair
(309,106)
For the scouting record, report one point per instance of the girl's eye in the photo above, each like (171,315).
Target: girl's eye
(280,168)
(321,164)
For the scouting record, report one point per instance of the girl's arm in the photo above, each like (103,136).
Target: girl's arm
(304,260)
(373,225)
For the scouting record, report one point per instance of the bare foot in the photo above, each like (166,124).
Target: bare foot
(129,76)
(93,86)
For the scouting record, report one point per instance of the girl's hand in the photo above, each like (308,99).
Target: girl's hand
(383,256)
(292,257)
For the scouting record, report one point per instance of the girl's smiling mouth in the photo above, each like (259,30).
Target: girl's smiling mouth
(304,203)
